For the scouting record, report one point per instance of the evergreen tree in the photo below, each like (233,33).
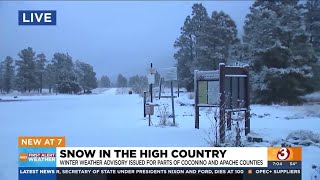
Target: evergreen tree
(65,75)
(222,36)
(204,43)
(281,57)
(200,21)
(122,81)
(26,68)
(312,22)
(191,45)
(8,74)
(68,83)
(86,76)
(50,77)
(40,70)
(105,82)
(1,76)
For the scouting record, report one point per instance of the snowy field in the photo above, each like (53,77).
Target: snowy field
(110,118)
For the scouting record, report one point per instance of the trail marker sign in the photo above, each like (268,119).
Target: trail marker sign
(151,75)
(149,109)
(152,70)
(171,74)
(227,89)
(151,78)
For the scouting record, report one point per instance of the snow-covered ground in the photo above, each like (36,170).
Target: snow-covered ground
(110,118)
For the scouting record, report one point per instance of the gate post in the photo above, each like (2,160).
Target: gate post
(144,103)
(247,102)
(222,102)
(196,108)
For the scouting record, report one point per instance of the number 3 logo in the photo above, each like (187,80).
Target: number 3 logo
(283,154)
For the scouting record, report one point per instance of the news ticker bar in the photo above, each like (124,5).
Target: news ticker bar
(130,173)
(160,157)
(47,157)
(43,151)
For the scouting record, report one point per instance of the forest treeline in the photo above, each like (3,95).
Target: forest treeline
(281,44)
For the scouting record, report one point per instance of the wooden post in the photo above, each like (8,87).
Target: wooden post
(151,89)
(222,102)
(247,102)
(149,119)
(229,114)
(196,101)
(172,101)
(144,103)
(229,118)
(178,88)
(160,83)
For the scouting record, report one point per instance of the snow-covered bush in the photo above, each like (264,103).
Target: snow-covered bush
(303,137)
(312,110)
(213,134)
(234,137)
(313,97)
(163,114)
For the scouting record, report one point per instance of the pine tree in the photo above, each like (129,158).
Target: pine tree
(68,82)
(122,81)
(26,76)
(204,43)
(8,74)
(40,70)
(50,77)
(1,76)
(312,21)
(191,45)
(105,82)
(65,75)
(200,26)
(281,57)
(222,36)
(86,76)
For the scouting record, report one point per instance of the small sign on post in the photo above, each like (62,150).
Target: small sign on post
(151,78)
(149,111)
(171,74)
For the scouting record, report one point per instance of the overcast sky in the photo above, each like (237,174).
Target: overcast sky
(114,37)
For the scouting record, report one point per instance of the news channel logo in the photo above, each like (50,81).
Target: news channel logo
(283,154)
(37,17)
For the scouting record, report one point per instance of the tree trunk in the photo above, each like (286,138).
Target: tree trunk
(41,83)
